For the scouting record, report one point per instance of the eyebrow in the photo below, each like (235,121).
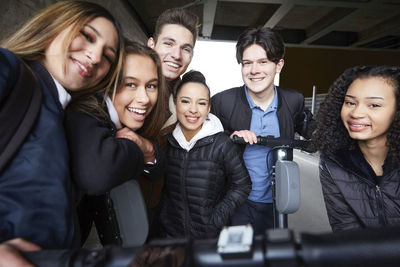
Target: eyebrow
(264,58)
(136,79)
(188,97)
(173,40)
(99,34)
(369,97)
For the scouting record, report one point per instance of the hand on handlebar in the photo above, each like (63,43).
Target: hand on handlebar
(248,136)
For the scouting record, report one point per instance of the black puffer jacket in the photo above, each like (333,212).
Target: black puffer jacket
(203,187)
(355,197)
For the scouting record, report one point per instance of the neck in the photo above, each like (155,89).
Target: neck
(171,85)
(263,99)
(375,154)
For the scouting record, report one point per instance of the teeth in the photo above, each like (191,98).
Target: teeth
(140,111)
(358,125)
(81,66)
(172,65)
(256,79)
(191,119)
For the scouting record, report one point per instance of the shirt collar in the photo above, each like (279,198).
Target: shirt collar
(113,113)
(272,106)
(63,96)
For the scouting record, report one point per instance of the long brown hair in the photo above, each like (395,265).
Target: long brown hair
(32,39)
(153,123)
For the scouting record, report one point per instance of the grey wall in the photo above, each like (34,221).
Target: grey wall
(14,13)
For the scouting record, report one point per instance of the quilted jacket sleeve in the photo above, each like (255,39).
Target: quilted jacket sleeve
(238,183)
(341,216)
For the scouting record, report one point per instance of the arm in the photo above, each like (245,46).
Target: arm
(238,183)
(156,171)
(154,157)
(99,161)
(341,216)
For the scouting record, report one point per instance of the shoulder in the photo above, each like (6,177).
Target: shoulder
(8,55)
(228,92)
(290,94)
(223,141)
(225,101)
(10,64)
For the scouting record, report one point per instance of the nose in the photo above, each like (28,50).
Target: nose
(358,111)
(94,53)
(254,68)
(176,52)
(141,96)
(193,108)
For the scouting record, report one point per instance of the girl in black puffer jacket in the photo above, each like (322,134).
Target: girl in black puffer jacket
(358,134)
(206,178)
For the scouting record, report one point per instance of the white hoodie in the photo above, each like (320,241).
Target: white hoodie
(211,125)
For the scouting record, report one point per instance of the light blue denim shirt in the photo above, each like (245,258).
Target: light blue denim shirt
(255,156)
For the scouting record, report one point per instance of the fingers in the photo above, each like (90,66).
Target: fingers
(145,145)
(248,136)
(127,133)
(10,253)
(23,245)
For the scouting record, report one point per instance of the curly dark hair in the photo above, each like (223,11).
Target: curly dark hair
(331,135)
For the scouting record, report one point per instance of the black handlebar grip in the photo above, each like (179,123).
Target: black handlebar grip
(238,140)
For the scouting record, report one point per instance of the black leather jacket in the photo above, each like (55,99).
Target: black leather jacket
(203,187)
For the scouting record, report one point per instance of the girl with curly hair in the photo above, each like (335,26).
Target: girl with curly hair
(358,134)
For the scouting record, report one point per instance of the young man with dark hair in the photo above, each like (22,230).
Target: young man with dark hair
(260,108)
(174,39)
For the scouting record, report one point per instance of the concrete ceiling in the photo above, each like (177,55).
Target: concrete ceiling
(353,24)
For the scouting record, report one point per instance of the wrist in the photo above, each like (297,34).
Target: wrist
(150,154)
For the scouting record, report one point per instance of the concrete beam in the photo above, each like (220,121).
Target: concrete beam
(209,10)
(329,23)
(279,14)
(388,27)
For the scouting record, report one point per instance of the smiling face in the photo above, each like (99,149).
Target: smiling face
(258,72)
(192,108)
(137,96)
(89,58)
(368,109)
(175,47)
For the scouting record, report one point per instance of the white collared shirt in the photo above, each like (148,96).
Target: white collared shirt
(63,96)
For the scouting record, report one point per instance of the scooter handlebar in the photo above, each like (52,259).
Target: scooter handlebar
(271,141)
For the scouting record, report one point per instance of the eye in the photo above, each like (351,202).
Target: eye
(246,63)
(108,58)
(152,87)
(349,103)
(184,101)
(169,44)
(374,105)
(203,103)
(130,85)
(87,36)
(263,62)
(187,49)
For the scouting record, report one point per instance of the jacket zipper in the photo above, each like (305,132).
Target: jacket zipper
(183,183)
(381,212)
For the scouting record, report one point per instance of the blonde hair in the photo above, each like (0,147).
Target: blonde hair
(31,41)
